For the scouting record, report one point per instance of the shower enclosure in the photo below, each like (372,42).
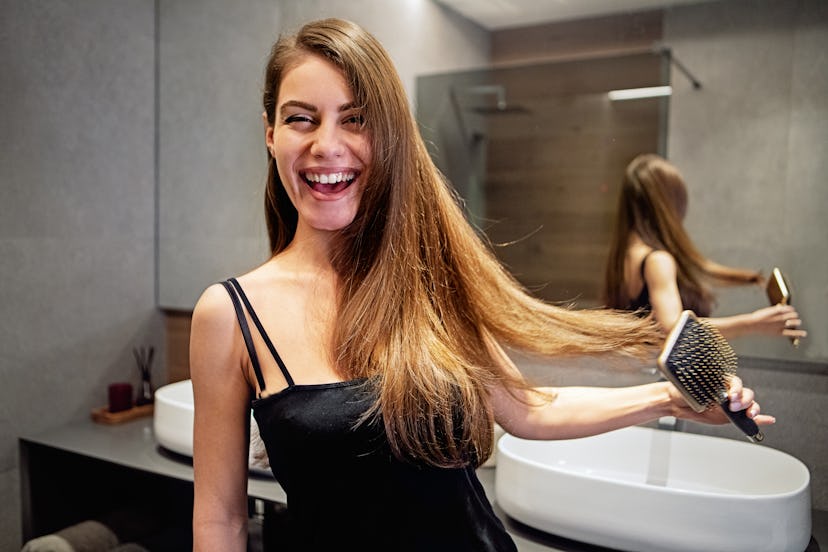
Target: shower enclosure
(537,154)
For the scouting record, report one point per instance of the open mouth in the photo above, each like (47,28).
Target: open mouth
(329,183)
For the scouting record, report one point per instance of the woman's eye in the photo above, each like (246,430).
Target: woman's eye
(298,119)
(356,120)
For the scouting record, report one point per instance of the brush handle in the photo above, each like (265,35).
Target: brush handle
(740,419)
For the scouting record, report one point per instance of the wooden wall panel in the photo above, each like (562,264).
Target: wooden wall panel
(177,326)
(554,162)
(570,39)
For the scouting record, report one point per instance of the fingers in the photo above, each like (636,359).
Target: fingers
(741,399)
(783,320)
(734,388)
(764,419)
(744,400)
(760,419)
(792,328)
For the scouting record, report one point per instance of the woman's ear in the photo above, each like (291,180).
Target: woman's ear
(268,134)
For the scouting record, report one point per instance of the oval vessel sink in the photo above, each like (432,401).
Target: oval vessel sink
(643,489)
(173,423)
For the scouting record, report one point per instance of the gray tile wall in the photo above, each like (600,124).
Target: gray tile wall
(751,144)
(212,162)
(76,214)
(212,158)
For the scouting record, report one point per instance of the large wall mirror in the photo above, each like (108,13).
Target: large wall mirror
(536,148)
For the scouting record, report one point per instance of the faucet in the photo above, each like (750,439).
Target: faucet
(670,423)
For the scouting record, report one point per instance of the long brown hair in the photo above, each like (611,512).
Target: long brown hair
(653,203)
(421,297)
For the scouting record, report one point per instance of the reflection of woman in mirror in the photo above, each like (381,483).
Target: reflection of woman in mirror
(654,267)
(383,373)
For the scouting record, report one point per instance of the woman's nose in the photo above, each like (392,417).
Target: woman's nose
(328,141)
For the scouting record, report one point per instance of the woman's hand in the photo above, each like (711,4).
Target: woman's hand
(741,398)
(777,320)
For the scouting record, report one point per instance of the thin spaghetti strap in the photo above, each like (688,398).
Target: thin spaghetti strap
(262,331)
(248,340)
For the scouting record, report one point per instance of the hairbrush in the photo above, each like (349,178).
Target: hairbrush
(779,293)
(699,361)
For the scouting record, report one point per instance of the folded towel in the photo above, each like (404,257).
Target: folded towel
(86,536)
(48,543)
(257,455)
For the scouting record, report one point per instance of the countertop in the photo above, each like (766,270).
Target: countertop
(133,445)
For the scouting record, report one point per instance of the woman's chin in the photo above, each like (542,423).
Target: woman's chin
(331,223)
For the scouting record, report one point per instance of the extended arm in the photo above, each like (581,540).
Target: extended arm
(572,412)
(221,426)
(776,320)
(660,276)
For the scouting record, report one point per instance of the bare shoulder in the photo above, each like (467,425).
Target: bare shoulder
(660,265)
(214,309)
(214,343)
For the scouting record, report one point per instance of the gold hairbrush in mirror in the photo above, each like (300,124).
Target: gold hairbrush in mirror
(779,293)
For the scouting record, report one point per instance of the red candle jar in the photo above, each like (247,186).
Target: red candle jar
(120,397)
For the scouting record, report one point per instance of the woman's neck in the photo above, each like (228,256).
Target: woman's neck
(310,250)
(634,240)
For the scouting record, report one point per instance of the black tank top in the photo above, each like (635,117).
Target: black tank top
(345,489)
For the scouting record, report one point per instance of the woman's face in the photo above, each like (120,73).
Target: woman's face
(320,144)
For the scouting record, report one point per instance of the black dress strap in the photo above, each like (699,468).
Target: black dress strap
(245,330)
(262,332)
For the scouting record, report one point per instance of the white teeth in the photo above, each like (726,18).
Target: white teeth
(331,178)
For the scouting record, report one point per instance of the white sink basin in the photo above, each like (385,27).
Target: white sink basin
(173,423)
(643,489)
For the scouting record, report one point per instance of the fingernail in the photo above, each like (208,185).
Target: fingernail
(735,406)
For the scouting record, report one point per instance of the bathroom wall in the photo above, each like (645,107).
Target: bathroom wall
(77,215)
(212,158)
(751,143)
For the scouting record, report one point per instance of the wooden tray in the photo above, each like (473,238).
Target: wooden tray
(102,415)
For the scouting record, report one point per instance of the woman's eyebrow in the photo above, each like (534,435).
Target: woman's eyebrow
(313,108)
(297,103)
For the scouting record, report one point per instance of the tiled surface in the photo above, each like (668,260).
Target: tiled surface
(76,214)
(747,143)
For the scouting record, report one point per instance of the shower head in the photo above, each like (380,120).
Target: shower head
(499,109)
(497,106)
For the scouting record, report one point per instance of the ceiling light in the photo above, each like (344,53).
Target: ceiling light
(638,93)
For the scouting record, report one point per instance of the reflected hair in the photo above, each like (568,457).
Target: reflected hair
(653,203)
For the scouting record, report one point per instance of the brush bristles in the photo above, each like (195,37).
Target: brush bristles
(702,361)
